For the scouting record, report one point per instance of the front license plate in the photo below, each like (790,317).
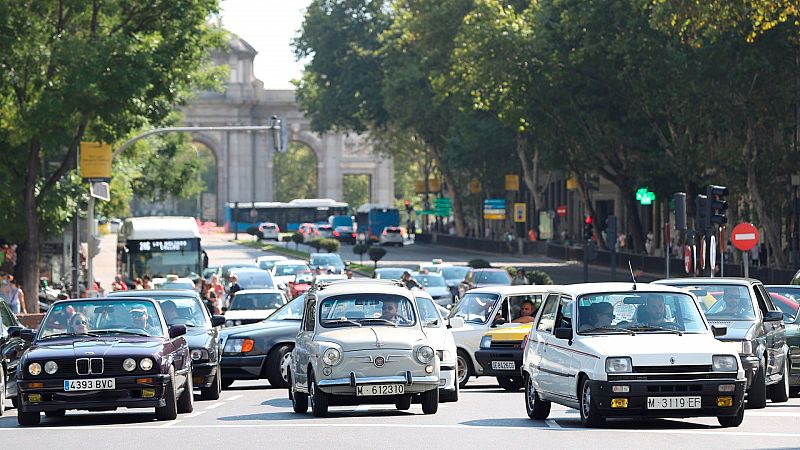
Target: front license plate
(503,365)
(673,403)
(94,384)
(380,389)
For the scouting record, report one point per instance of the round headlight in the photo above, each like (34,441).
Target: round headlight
(35,369)
(237,322)
(146,364)
(198,354)
(331,357)
(129,364)
(424,354)
(229,323)
(50,367)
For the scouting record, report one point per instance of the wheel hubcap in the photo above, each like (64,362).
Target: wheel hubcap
(287,358)
(461,370)
(312,390)
(587,400)
(529,393)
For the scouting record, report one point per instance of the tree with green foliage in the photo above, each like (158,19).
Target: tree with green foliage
(360,249)
(295,173)
(298,239)
(376,254)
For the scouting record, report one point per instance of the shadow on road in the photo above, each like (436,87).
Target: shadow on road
(80,420)
(506,422)
(333,414)
(278,403)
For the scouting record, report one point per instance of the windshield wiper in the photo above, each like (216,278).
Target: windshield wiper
(132,333)
(379,319)
(655,328)
(340,321)
(69,334)
(624,330)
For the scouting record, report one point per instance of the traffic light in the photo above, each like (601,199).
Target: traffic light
(716,204)
(588,228)
(407,205)
(702,221)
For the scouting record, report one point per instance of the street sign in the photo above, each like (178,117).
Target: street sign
(95,161)
(687,258)
(100,190)
(494,209)
(474,186)
(442,207)
(561,210)
(712,254)
(519,212)
(744,236)
(512,182)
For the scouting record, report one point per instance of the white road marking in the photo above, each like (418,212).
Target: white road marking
(170,423)
(363,408)
(771,414)
(215,405)
(235,397)
(194,414)
(552,423)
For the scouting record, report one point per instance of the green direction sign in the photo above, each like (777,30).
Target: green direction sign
(442,207)
(644,196)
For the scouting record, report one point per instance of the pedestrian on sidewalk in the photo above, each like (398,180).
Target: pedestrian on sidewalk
(16,298)
(520,278)
(147,283)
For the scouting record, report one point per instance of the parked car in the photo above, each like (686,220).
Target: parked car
(113,353)
(262,350)
(285,271)
(628,350)
(500,355)
(323,231)
(362,342)
(437,328)
(389,273)
(792,322)
(326,262)
(754,327)
(345,234)
(391,236)
(253,305)
(202,334)
(11,349)
(484,277)
(484,309)
(267,262)
(435,286)
(270,231)
(253,278)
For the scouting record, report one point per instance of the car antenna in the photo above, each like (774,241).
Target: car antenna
(633,277)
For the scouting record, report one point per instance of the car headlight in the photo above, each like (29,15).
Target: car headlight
(747,347)
(331,356)
(724,363)
(245,345)
(741,347)
(229,323)
(486,342)
(443,355)
(620,364)
(199,353)
(424,354)
(35,368)
(146,364)
(50,367)
(129,364)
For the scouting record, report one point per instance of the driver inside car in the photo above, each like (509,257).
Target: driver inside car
(140,319)
(655,311)
(389,311)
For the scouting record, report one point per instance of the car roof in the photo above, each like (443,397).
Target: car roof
(490,269)
(708,280)
(271,258)
(391,268)
(240,270)
(423,294)
(366,285)
(291,262)
(431,274)
(323,254)
(259,291)
(795,286)
(109,298)
(145,293)
(611,287)
(515,290)
(238,264)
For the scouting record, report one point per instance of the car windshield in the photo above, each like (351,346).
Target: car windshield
(492,277)
(626,312)
(454,273)
(787,299)
(282,270)
(183,311)
(724,302)
(389,274)
(366,309)
(290,311)
(322,260)
(255,280)
(266,265)
(248,301)
(177,285)
(429,280)
(475,307)
(126,316)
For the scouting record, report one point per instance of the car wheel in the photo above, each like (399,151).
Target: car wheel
(186,400)
(403,402)
(170,409)
(537,408)
(277,366)
(511,383)
(2,391)
(319,399)
(227,382)
(212,392)
(463,368)
(732,421)
(430,401)
(15,402)
(590,416)
(446,396)
(55,414)
(299,399)
(28,419)
(779,392)
(757,394)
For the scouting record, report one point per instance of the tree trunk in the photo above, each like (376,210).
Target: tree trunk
(531,174)
(30,256)
(771,227)
(455,199)
(583,188)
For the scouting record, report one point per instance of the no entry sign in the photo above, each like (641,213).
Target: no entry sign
(744,236)
(561,210)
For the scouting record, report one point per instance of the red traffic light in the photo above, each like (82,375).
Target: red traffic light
(406,202)
(587,220)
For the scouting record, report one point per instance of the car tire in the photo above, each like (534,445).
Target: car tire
(319,399)
(227,382)
(55,414)
(170,409)
(463,368)
(446,396)
(2,390)
(511,383)
(299,399)
(590,416)
(536,408)
(757,394)
(277,365)
(430,401)
(212,392)
(732,421)
(186,399)
(28,419)
(403,402)
(779,392)
(15,402)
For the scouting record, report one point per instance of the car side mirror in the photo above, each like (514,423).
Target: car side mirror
(13,331)
(773,316)
(26,334)
(499,321)
(431,323)
(563,333)
(217,321)
(176,331)
(719,331)
(455,322)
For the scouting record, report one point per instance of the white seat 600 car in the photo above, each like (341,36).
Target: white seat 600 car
(362,342)
(627,350)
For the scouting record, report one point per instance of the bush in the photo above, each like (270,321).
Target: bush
(330,245)
(376,253)
(286,238)
(512,271)
(360,249)
(479,263)
(315,243)
(297,238)
(538,277)
(254,231)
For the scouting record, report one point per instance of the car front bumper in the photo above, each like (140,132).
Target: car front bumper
(794,366)
(242,367)
(203,374)
(640,391)
(348,386)
(486,356)
(750,366)
(128,393)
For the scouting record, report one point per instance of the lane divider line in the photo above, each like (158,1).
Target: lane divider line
(215,405)
(235,397)
(194,414)
(552,424)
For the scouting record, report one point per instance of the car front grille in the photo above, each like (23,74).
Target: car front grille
(672,369)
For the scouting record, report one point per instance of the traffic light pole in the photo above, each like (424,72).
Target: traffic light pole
(586,250)
(90,231)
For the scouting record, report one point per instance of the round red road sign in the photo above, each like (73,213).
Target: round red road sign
(561,210)
(744,236)
(687,258)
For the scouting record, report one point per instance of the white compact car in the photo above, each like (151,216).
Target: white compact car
(435,285)
(362,342)
(270,230)
(436,328)
(484,309)
(284,272)
(253,305)
(266,262)
(630,351)
(391,236)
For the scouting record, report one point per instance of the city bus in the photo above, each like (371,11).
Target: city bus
(372,219)
(289,216)
(159,246)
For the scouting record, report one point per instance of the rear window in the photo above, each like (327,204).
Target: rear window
(269,227)
(393,230)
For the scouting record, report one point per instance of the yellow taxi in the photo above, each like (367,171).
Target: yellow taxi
(500,355)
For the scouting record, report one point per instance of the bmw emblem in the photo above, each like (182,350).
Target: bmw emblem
(379,361)
(672,360)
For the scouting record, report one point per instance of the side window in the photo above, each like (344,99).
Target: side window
(5,316)
(516,302)
(762,302)
(564,318)
(767,297)
(311,318)
(548,316)
(427,310)
(503,311)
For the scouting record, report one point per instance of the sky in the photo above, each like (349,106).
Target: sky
(268,26)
